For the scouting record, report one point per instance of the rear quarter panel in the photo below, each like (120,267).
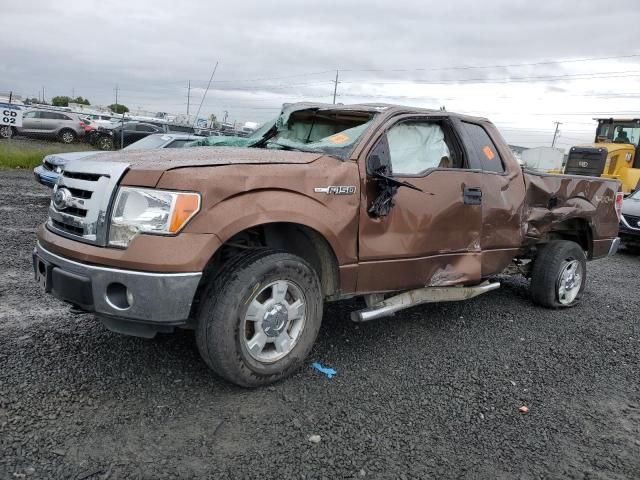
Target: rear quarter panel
(553,199)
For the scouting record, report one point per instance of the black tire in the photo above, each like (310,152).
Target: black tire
(104,143)
(6,132)
(67,136)
(548,266)
(220,334)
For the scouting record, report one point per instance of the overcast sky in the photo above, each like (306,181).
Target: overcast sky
(466,55)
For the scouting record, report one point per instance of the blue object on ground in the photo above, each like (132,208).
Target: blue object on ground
(329,372)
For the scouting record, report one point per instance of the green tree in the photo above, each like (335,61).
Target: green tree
(60,101)
(118,108)
(81,101)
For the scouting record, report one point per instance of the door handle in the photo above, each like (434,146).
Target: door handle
(472,196)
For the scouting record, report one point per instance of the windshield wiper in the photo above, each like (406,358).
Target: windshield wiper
(287,147)
(268,135)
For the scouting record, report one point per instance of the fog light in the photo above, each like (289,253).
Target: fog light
(119,296)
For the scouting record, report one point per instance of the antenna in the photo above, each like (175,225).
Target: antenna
(188,99)
(555,134)
(204,95)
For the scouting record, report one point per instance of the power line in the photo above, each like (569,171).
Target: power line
(473,67)
(574,76)
(454,67)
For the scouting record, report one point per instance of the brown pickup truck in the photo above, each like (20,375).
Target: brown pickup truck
(243,240)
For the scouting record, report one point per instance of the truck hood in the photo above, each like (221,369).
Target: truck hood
(147,166)
(171,158)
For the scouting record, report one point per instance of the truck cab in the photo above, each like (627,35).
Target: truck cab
(613,154)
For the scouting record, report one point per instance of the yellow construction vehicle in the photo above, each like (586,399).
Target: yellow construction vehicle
(614,154)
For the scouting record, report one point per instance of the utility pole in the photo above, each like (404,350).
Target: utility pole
(188,99)
(555,134)
(335,88)
(116,97)
(43,100)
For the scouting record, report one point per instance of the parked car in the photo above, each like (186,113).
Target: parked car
(119,135)
(52,165)
(7,131)
(630,221)
(41,123)
(399,205)
(102,119)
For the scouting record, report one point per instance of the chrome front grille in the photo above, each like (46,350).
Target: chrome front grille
(81,200)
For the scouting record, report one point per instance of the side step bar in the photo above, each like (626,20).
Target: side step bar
(418,297)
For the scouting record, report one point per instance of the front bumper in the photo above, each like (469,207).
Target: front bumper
(45,177)
(161,299)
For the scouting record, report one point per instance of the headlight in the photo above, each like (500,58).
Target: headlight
(145,210)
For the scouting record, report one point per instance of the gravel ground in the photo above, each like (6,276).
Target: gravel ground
(431,393)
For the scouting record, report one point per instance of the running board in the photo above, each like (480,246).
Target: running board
(418,297)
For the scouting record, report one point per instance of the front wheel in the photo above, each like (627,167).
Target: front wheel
(559,274)
(259,317)
(105,143)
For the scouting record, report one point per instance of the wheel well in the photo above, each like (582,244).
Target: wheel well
(575,229)
(294,238)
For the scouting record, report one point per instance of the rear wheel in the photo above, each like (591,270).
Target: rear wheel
(559,274)
(259,317)
(6,131)
(67,136)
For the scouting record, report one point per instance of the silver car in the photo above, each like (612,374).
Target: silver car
(65,126)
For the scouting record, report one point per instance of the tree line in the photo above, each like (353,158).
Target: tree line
(64,101)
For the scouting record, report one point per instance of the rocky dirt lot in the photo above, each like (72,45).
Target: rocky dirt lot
(431,393)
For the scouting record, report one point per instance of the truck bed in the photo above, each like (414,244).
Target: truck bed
(554,202)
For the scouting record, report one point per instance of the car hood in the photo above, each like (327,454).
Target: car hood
(631,206)
(64,158)
(172,158)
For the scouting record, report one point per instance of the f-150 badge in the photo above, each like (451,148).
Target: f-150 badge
(336,190)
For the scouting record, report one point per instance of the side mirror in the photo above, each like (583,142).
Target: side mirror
(379,160)
(379,167)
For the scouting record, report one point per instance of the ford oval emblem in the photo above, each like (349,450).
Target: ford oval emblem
(61,198)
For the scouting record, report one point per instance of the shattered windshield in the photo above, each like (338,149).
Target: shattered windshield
(321,130)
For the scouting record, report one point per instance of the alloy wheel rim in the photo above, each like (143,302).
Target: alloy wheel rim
(569,281)
(67,137)
(274,321)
